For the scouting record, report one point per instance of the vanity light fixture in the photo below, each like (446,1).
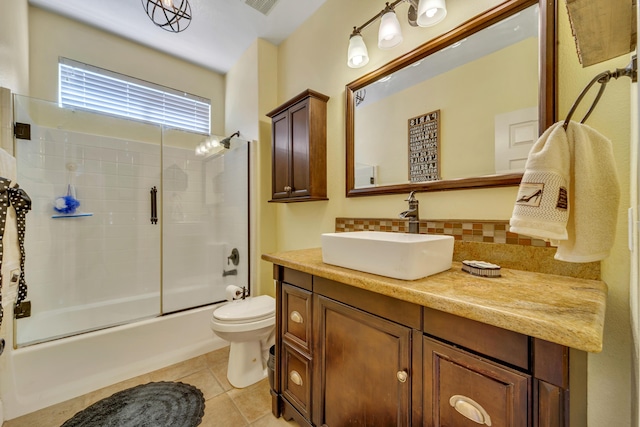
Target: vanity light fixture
(431,12)
(170,15)
(422,13)
(358,55)
(389,33)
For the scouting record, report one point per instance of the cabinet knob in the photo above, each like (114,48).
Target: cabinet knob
(296,317)
(471,409)
(402,376)
(287,188)
(295,377)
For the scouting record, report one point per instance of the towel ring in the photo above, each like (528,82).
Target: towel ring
(603,78)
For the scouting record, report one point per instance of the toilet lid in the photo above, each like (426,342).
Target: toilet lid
(252,308)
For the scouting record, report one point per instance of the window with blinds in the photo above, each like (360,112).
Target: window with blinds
(96,89)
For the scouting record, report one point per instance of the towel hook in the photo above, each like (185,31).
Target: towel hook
(631,71)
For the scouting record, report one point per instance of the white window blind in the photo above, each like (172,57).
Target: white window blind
(92,88)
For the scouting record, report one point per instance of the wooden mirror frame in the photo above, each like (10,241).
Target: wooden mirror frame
(546,95)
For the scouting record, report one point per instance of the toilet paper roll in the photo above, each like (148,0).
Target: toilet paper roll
(231,292)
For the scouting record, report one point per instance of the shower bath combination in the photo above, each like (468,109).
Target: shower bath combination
(116,278)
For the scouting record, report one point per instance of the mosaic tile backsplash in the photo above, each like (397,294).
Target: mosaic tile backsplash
(466,231)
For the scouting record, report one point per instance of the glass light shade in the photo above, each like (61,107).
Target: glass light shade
(357,55)
(430,12)
(389,33)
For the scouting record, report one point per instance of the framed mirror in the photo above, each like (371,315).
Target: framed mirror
(420,123)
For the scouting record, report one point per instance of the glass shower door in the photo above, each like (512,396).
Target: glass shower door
(98,266)
(205,219)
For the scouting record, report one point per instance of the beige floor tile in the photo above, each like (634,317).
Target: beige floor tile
(220,411)
(217,361)
(225,405)
(206,382)
(53,416)
(254,401)
(180,370)
(218,356)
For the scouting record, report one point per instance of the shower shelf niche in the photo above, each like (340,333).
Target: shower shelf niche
(75,215)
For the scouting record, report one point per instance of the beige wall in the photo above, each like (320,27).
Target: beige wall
(315,57)
(51,36)
(14,64)
(14,46)
(609,372)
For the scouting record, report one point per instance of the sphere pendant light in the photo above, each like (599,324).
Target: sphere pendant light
(170,15)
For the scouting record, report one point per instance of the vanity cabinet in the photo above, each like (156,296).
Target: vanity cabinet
(350,356)
(299,140)
(363,370)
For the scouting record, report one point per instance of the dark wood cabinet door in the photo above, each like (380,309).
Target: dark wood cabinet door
(296,317)
(463,390)
(281,155)
(299,133)
(361,368)
(296,384)
(300,140)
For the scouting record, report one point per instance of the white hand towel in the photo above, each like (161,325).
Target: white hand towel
(541,208)
(594,197)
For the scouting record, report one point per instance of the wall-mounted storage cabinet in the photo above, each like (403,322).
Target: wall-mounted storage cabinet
(299,148)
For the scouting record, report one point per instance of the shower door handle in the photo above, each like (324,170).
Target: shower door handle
(154,205)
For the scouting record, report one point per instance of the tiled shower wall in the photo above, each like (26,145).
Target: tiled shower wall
(104,269)
(87,261)
(205,217)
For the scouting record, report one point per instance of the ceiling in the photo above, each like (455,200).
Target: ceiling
(219,33)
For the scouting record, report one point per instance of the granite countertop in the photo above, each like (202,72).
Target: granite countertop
(559,309)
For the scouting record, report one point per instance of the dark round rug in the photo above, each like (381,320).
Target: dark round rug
(157,404)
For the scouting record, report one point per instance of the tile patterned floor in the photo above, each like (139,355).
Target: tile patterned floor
(225,406)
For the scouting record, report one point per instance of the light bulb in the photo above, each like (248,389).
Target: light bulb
(389,33)
(168,4)
(357,54)
(430,12)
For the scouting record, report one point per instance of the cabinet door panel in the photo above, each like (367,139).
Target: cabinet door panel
(463,390)
(296,374)
(300,149)
(281,162)
(296,320)
(358,358)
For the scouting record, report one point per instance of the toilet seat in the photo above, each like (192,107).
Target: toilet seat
(248,310)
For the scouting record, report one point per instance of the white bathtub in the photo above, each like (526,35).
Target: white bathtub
(44,374)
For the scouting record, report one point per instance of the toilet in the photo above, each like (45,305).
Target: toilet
(249,325)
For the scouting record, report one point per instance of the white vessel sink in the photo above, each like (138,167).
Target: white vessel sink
(398,255)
